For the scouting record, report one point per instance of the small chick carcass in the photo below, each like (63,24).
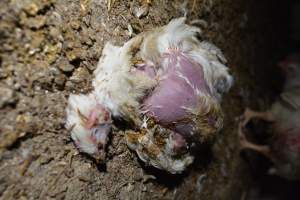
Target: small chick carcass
(184,107)
(284,148)
(169,85)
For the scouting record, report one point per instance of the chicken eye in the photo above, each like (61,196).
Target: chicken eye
(95,131)
(100,131)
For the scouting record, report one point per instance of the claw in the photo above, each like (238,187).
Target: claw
(249,114)
(242,138)
(246,117)
(245,144)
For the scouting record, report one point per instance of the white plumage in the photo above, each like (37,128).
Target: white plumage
(116,89)
(115,84)
(83,104)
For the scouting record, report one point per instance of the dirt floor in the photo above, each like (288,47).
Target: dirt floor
(49,49)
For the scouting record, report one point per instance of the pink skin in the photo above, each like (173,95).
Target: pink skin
(177,90)
(286,154)
(290,139)
(94,115)
(178,142)
(99,125)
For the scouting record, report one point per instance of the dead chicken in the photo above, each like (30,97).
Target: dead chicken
(170,86)
(284,148)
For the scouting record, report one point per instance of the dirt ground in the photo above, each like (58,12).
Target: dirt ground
(49,49)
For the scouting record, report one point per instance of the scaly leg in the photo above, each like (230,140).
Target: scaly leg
(249,114)
(245,144)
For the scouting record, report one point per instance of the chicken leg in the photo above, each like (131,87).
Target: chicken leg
(245,144)
(250,114)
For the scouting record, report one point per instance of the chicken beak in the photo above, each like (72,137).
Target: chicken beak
(100,157)
(100,134)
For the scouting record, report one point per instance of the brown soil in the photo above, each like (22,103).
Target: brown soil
(49,49)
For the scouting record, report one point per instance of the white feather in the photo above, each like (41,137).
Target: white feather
(116,86)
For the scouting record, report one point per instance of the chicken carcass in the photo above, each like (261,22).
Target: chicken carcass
(169,85)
